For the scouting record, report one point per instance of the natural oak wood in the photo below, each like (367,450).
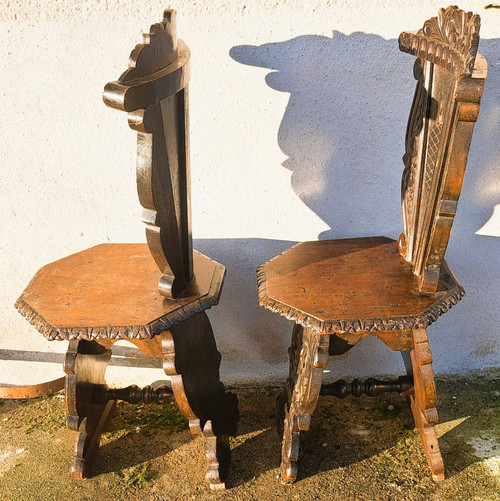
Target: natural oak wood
(154,295)
(340,291)
(423,400)
(85,364)
(308,357)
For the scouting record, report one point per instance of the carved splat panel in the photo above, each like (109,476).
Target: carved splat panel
(154,91)
(450,77)
(434,135)
(410,180)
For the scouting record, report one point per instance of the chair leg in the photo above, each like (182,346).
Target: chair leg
(85,364)
(423,402)
(308,357)
(191,358)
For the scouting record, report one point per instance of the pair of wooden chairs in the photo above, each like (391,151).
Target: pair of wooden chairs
(337,291)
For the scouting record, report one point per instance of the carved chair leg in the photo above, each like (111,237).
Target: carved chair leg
(308,357)
(191,358)
(85,364)
(423,402)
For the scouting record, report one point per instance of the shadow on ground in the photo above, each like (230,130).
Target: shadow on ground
(356,448)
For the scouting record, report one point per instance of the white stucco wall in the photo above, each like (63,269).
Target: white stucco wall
(298,115)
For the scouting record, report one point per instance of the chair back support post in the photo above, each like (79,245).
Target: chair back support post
(450,76)
(154,93)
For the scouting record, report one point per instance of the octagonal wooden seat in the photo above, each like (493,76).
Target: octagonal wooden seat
(109,292)
(153,295)
(353,287)
(339,291)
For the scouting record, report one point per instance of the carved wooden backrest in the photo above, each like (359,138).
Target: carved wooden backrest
(450,77)
(154,92)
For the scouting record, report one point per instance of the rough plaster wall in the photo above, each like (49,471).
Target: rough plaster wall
(298,114)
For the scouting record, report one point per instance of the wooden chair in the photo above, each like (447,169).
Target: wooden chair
(153,295)
(339,291)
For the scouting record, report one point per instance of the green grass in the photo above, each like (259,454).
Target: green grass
(49,416)
(145,418)
(137,476)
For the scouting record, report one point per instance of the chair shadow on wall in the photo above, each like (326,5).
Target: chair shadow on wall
(344,127)
(343,132)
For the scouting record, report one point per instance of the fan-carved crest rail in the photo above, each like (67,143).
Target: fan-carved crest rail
(450,76)
(451,40)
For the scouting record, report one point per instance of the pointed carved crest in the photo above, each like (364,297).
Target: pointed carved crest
(449,40)
(158,50)
(154,92)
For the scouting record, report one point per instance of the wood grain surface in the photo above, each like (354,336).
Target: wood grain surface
(110,291)
(352,285)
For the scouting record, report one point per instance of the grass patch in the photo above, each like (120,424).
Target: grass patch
(46,414)
(135,477)
(394,465)
(146,418)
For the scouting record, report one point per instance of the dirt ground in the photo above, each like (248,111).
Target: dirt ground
(356,449)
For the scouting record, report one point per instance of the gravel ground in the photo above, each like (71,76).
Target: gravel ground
(359,449)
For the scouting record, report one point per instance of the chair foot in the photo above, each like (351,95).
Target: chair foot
(423,401)
(430,444)
(218,453)
(85,364)
(290,439)
(290,448)
(87,444)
